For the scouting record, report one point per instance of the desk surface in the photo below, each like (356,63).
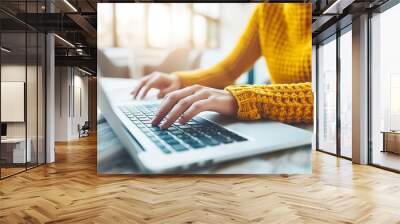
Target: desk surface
(13,140)
(390,132)
(112,158)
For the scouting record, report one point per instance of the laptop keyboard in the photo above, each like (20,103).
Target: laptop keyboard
(195,134)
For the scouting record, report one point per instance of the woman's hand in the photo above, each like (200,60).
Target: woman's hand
(186,103)
(166,83)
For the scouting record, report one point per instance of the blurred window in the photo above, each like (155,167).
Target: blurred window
(181,17)
(327,95)
(385,85)
(199,31)
(159,25)
(105,30)
(130,24)
(345,83)
(210,10)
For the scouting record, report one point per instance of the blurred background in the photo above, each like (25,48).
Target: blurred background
(137,39)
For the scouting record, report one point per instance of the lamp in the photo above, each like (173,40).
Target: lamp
(64,40)
(84,71)
(337,7)
(5,50)
(70,5)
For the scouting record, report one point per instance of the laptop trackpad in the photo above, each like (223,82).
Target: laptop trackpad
(262,130)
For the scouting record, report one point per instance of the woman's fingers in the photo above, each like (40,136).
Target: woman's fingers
(139,86)
(165,91)
(164,82)
(152,83)
(186,103)
(169,102)
(180,107)
(196,108)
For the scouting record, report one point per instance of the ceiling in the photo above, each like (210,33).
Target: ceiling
(332,15)
(76,22)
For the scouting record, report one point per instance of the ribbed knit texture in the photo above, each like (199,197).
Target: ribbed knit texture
(281,33)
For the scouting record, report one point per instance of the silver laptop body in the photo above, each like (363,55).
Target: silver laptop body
(262,136)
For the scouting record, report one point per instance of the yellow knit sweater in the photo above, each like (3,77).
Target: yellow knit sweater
(282,34)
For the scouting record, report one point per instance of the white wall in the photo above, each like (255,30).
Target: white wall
(85,100)
(61,103)
(34,125)
(17,73)
(80,108)
(71,94)
(14,73)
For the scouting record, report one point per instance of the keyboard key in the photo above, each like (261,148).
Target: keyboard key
(177,133)
(155,128)
(185,127)
(184,136)
(198,145)
(165,136)
(189,140)
(227,140)
(208,141)
(212,142)
(198,135)
(237,137)
(148,134)
(153,138)
(164,149)
(221,138)
(179,148)
(171,142)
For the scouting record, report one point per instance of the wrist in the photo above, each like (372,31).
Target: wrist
(176,80)
(246,101)
(233,103)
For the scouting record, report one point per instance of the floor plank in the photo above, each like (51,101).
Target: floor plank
(70,191)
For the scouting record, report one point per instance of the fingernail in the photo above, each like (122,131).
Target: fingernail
(164,126)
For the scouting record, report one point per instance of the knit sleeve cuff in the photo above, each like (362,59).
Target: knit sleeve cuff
(246,100)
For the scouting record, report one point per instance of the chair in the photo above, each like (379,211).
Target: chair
(177,60)
(84,130)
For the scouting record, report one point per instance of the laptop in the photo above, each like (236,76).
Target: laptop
(207,139)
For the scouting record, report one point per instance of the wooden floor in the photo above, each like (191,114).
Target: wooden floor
(11,170)
(387,159)
(70,191)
